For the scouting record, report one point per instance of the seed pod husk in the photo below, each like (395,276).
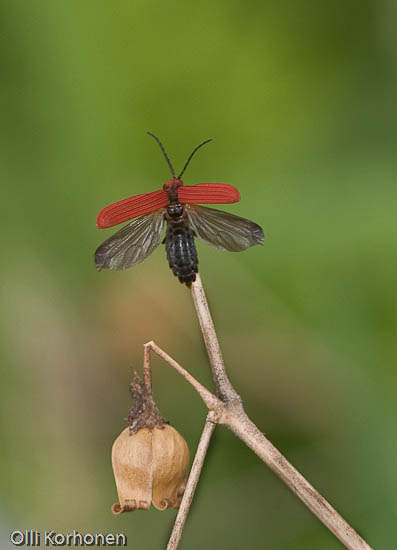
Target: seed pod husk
(149,458)
(170,462)
(131,460)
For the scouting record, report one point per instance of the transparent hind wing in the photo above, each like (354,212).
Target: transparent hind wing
(223,230)
(131,244)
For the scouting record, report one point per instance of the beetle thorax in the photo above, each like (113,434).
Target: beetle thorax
(175,211)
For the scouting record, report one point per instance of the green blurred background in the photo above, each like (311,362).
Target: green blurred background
(300,99)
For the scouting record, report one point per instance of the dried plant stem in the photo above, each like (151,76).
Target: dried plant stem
(246,430)
(147,370)
(209,399)
(226,408)
(224,388)
(198,462)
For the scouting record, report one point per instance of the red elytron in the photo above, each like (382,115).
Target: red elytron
(176,204)
(208,193)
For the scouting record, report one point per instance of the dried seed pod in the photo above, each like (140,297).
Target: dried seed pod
(149,458)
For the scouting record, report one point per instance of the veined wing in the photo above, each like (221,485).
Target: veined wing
(223,230)
(131,244)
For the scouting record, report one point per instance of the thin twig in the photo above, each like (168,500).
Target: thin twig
(248,432)
(224,388)
(147,370)
(209,427)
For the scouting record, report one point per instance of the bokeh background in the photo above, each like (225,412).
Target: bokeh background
(300,99)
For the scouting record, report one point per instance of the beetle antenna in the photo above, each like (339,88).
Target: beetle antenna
(191,156)
(164,153)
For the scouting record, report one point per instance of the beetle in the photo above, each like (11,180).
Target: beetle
(176,205)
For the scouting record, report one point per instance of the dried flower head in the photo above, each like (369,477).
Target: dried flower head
(149,458)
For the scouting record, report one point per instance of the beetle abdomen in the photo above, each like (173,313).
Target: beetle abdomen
(181,251)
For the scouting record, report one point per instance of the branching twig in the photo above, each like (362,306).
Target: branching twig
(209,399)
(227,409)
